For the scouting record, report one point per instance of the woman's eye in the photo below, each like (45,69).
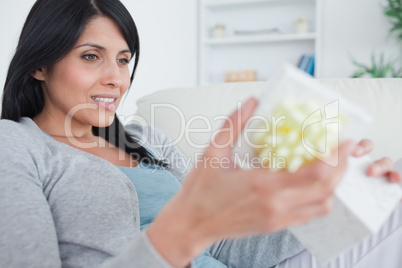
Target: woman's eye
(90,57)
(123,61)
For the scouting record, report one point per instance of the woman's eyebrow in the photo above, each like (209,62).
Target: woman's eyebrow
(101,47)
(91,45)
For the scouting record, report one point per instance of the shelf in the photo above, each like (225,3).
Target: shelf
(247,43)
(259,39)
(221,3)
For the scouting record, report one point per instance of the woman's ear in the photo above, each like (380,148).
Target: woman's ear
(39,74)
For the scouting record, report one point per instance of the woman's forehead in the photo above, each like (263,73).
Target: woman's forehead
(105,32)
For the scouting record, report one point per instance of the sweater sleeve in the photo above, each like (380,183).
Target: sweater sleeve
(140,254)
(27,232)
(28,236)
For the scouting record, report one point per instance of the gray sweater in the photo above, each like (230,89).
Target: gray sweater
(60,206)
(63,207)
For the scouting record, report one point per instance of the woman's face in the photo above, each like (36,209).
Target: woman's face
(90,81)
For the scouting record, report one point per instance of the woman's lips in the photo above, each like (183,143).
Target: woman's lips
(107,103)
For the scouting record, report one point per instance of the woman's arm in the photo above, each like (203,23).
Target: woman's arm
(27,233)
(217,203)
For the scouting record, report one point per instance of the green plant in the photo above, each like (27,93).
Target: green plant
(393,10)
(380,68)
(377,69)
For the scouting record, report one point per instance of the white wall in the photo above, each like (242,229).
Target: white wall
(168,39)
(355,28)
(12,17)
(168,32)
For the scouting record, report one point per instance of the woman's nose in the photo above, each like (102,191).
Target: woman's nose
(112,75)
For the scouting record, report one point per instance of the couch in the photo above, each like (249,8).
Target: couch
(189,116)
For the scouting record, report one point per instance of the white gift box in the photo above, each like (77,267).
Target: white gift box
(362,204)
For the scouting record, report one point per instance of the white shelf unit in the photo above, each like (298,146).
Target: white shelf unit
(260,52)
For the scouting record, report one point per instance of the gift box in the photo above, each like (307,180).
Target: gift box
(362,204)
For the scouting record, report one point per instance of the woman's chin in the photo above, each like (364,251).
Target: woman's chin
(104,123)
(104,120)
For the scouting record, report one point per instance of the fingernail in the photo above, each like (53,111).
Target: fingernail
(359,151)
(375,170)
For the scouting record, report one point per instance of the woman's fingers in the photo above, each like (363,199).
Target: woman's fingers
(294,198)
(299,197)
(317,173)
(316,183)
(302,215)
(332,167)
(363,147)
(394,176)
(383,167)
(380,167)
(223,142)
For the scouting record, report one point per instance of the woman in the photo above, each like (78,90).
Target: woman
(78,190)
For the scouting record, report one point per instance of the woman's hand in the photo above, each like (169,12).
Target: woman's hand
(381,167)
(218,201)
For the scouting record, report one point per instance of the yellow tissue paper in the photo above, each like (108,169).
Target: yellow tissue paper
(292,133)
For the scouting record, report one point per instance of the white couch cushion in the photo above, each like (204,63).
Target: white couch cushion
(189,116)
